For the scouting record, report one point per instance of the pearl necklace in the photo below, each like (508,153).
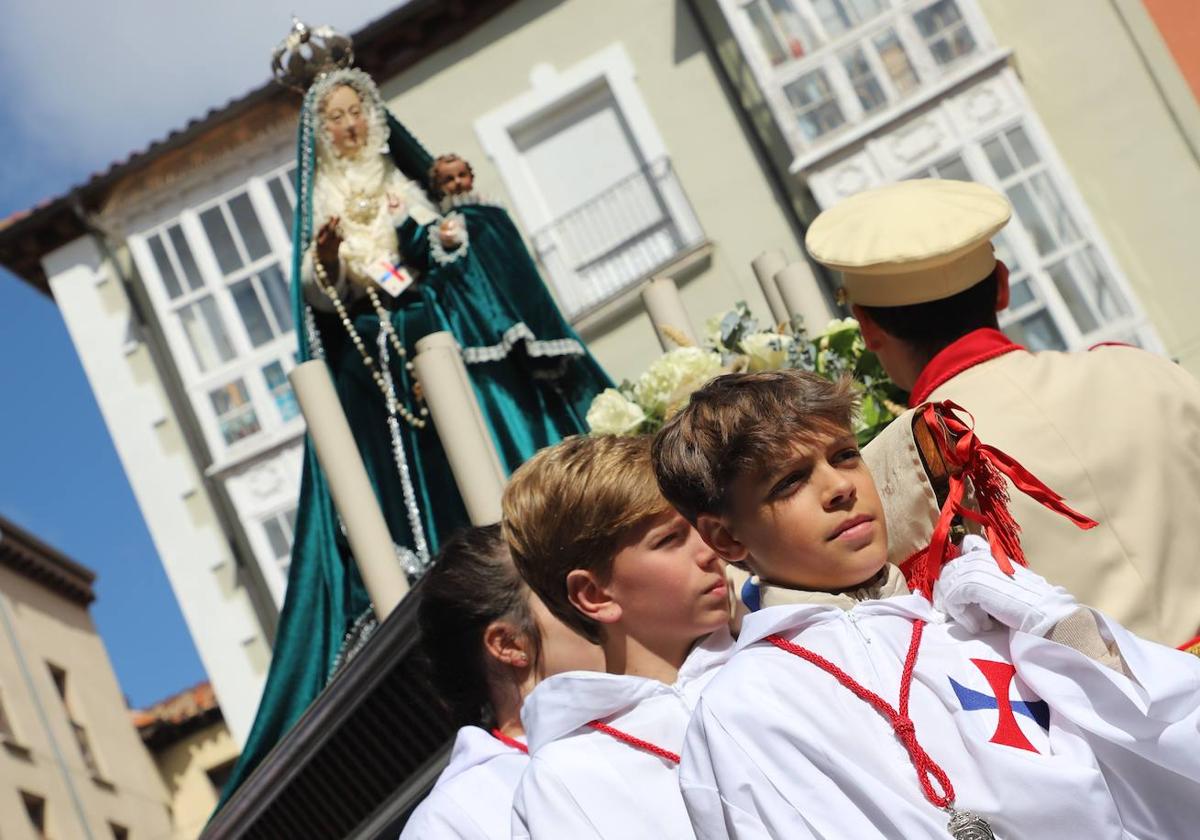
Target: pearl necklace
(385,324)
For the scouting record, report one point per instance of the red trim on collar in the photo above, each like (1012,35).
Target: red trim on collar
(974,348)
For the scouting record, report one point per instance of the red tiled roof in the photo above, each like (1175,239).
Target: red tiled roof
(178,708)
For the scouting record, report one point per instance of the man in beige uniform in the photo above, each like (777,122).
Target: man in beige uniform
(1115,430)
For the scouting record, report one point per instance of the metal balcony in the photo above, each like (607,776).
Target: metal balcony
(601,248)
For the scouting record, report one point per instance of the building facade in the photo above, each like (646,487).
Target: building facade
(173,283)
(71,763)
(629,138)
(1075,110)
(194,754)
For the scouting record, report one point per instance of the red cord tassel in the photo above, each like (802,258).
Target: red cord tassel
(986,467)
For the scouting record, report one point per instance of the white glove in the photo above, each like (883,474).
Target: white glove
(973,588)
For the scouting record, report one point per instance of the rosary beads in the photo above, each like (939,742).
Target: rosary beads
(385,324)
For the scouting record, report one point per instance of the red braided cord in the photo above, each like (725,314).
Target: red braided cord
(635,742)
(509,742)
(901,723)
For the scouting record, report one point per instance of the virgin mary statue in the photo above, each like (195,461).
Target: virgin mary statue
(361,176)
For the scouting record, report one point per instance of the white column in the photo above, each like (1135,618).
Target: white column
(460,426)
(802,296)
(766,265)
(367,531)
(665,305)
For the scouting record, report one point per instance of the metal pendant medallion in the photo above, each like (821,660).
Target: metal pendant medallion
(964,825)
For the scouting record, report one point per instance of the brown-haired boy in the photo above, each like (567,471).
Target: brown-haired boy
(594,538)
(852,708)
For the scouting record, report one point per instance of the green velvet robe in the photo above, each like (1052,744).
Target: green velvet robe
(529,401)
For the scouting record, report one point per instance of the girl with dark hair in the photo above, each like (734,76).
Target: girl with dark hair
(489,641)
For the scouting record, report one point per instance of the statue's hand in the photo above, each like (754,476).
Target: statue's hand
(449,234)
(328,240)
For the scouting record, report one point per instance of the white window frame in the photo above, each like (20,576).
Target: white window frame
(271,564)
(611,68)
(1033,264)
(897,16)
(248,361)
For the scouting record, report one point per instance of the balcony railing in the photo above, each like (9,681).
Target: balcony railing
(601,248)
(360,759)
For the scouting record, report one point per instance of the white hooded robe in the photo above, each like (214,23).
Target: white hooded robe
(472,798)
(778,748)
(585,785)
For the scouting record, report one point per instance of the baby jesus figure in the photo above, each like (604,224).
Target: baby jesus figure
(473,259)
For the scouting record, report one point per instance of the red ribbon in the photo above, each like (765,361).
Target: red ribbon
(986,466)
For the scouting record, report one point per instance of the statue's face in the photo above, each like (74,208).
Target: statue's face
(345,120)
(454,177)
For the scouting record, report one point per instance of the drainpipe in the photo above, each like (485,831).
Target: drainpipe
(777,173)
(59,759)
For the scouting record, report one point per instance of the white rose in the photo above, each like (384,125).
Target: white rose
(673,376)
(612,414)
(767,351)
(838,325)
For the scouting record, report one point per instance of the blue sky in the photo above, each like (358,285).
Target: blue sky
(81,85)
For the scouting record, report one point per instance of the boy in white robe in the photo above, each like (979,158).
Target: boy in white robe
(472,798)
(596,541)
(852,708)
(488,641)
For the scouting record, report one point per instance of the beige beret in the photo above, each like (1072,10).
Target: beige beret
(910,242)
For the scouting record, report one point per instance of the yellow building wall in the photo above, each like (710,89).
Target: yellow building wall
(441,97)
(1126,146)
(184,768)
(50,628)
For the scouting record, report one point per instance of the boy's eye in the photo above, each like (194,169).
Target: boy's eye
(850,454)
(665,540)
(789,483)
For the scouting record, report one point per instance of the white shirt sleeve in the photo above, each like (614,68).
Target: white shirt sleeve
(440,818)
(544,809)
(1143,728)
(727,795)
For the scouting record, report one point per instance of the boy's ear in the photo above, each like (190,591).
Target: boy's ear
(873,335)
(720,539)
(588,595)
(508,646)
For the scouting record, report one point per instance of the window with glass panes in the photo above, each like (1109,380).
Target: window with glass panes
(221,273)
(827,89)
(782,30)
(6,729)
(283,195)
(252,270)
(280,529)
(234,411)
(840,16)
(945,31)
(190,300)
(1062,292)
(281,390)
(815,104)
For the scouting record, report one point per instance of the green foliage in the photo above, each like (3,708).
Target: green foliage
(736,338)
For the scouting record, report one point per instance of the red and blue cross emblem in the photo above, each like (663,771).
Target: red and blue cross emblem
(999,676)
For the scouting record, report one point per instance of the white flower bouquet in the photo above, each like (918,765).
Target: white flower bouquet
(734,342)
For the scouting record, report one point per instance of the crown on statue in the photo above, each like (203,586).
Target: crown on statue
(308,53)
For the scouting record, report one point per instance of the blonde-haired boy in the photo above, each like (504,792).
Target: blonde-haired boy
(592,535)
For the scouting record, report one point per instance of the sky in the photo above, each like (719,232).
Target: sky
(83,84)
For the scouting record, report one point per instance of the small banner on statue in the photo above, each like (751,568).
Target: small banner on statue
(393,278)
